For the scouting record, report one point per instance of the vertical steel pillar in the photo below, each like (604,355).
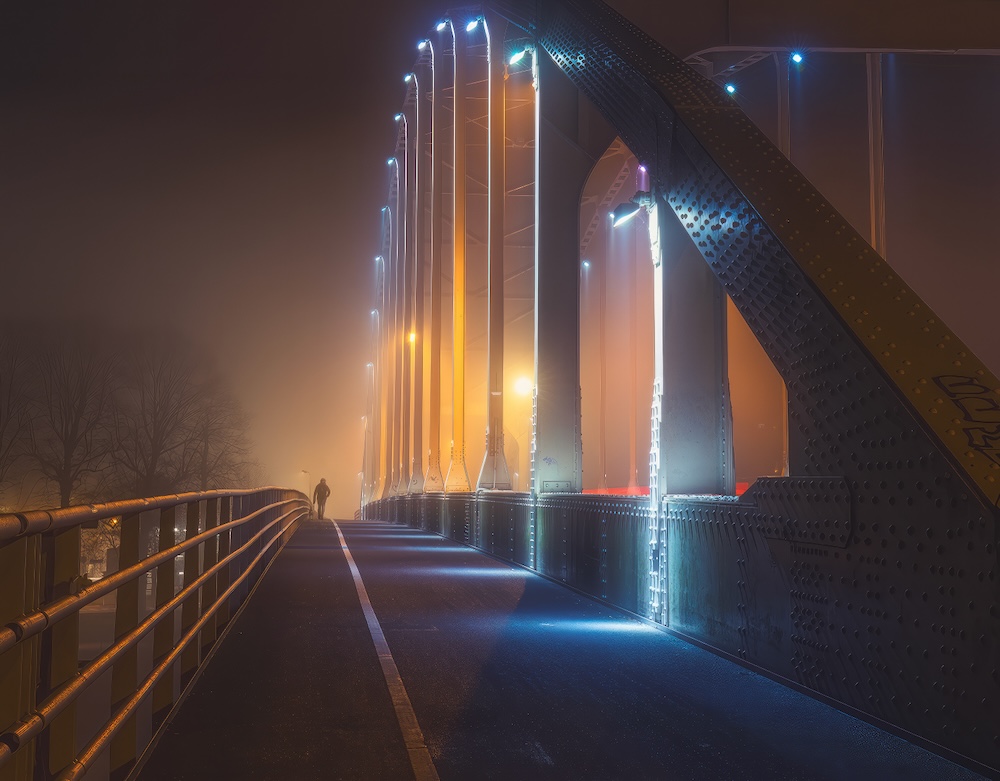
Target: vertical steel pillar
(392,334)
(402,341)
(415,339)
(457,478)
(876,153)
(784,114)
(695,438)
(570,137)
(494,473)
(383,369)
(633,341)
(434,481)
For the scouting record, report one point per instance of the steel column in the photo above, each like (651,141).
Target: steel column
(416,344)
(494,473)
(457,478)
(696,443)
(570,137)
(406,261)
(876,153)
(434,481)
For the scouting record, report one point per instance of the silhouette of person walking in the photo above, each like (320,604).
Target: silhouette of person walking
(320,496)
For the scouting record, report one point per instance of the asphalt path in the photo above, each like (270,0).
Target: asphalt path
(508,675)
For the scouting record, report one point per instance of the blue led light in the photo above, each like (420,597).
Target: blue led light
(731,88)
(796,58)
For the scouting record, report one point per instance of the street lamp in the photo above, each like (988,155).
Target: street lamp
(404,254)
(624,212)
(413,420)
(433,480)
(395,252)
(457,478)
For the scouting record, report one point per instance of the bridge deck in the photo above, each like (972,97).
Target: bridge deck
(509,676)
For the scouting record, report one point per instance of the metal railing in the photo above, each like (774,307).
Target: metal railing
(166,620)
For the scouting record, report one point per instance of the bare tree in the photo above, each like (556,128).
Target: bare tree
(219,450)
(71,415)
(154,418)
(14,415)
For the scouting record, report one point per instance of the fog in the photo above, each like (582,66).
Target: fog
(218,166)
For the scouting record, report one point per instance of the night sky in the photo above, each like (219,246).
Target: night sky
(220,165)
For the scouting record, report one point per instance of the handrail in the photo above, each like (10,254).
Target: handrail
(31,624)
(13,525)
(82,763)
(231,535)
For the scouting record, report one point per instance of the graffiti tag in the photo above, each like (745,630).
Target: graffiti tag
(978,405)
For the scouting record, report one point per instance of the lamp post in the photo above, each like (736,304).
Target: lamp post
(434,480)
(494,473)
(393,353)
(383,371)
(404,254)
(415,354)
(308,484)
(378,410)
(527,387)
(368,448)
(457,478)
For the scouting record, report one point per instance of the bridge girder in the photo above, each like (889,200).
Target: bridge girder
(884,538)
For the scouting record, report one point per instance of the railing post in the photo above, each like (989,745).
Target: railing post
(20,592)
(237,538)
(60,646)
(209,592)
(163,632)
(190,612)
(222,579)
(125,675)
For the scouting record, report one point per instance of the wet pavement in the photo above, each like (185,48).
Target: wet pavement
(509,675)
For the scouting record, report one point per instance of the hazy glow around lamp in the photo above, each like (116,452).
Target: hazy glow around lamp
(624,212)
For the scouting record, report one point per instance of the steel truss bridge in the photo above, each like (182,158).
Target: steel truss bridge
(862,571)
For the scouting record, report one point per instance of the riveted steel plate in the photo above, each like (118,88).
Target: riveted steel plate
(813,510)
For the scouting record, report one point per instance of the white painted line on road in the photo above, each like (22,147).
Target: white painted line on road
(420,757)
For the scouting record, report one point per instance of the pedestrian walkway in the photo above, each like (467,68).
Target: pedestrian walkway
(487,671)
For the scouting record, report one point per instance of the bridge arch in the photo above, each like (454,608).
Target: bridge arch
(882,536)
